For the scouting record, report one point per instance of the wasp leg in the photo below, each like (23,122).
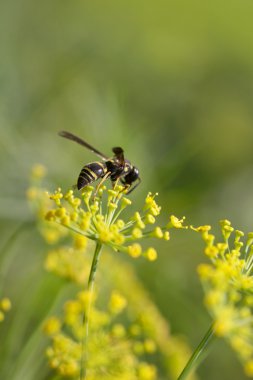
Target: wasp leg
(101,182)
(134,187)
(115,183)
(127,186)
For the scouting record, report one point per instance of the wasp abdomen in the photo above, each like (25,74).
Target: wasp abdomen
(90,173)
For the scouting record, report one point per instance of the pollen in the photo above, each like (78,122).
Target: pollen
(112,206)
(105,236)
(85,221)
(151,205)
(158,233)
(166,235)
(125,202)
(120,223)
(175,222)
(138,219)
(112,193)
(150,254)
(211,251)
(149,219)
(86,194)
(57,196)
(137,233)
(134,250)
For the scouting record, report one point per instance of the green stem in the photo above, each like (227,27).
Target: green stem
(198,355)
(84,352)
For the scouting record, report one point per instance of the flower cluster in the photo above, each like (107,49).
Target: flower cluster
(228,286)
(100,219)
(127,337)
(69,262)
(5,305)
(115,351)
(40,204)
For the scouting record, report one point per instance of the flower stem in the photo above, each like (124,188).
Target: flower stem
(84,351)
(198,355)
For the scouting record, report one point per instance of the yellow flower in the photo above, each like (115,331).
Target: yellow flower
(176,223)
(89,220)
(134,250)
(57,196)
(137,233)
(52,326)
(50,216)
(146,371)
(249,368)
(151,205)
(149,346)
(5,304)
(138,219)
(60,212)
(117,302)
(150,254)
(158,233)
(149,219)
(224,322)
(227,281)
(118,331)
(38,171)
(125,202)
(211,251)
(80,242)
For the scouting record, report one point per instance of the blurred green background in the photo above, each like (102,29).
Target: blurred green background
(171,82)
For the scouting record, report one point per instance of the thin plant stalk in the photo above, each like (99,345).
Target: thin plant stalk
(198,355)
(84,350)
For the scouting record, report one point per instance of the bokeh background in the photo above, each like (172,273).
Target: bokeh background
(171,82)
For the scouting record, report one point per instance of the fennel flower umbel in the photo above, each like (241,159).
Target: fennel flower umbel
(228,285)
(100,219)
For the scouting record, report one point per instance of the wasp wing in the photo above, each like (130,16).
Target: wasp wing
(119,154)
(70,136)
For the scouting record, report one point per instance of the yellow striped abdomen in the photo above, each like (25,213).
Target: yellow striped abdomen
(90,173)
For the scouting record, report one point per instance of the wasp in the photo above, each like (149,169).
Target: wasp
(115,168)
